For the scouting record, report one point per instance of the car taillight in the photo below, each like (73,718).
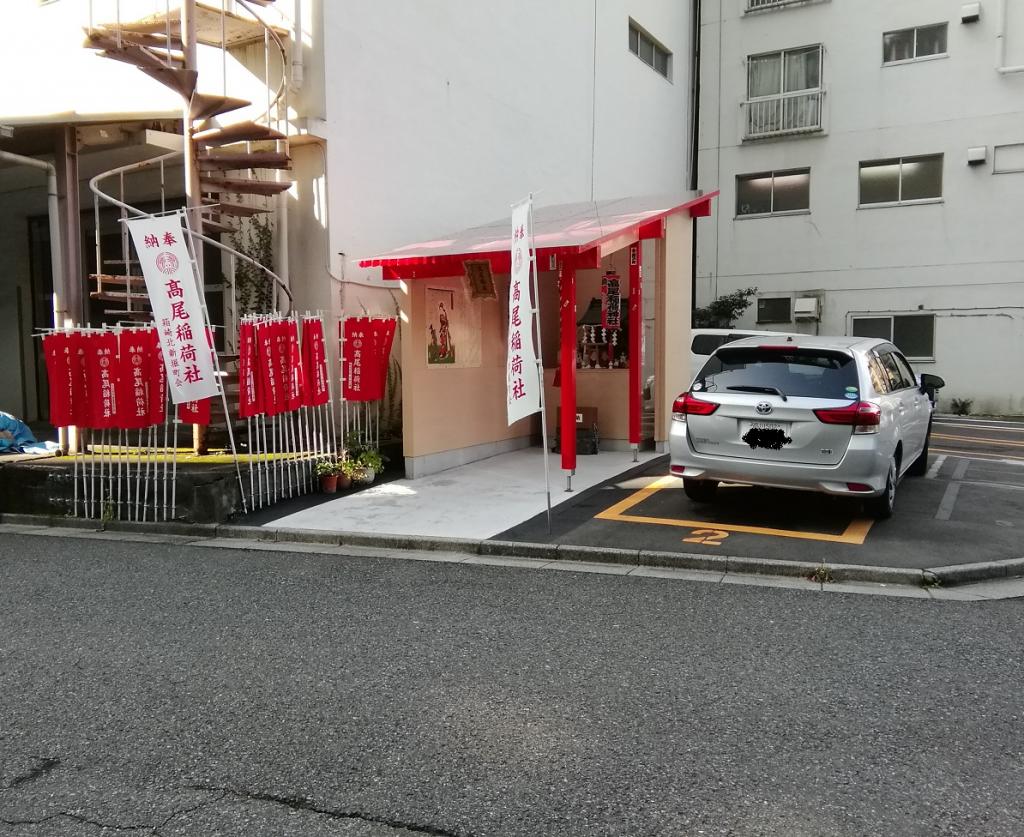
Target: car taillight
(686,405)
(863,416)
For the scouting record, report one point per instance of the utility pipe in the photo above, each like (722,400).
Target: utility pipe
(1001,42)
(60,311)
(60,295)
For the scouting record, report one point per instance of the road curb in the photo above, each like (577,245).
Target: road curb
(981,571)
(732,564)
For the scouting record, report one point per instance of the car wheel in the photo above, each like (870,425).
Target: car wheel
(881,507)
(700,491)
(920,466)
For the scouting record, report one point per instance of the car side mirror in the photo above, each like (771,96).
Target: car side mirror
(931,383)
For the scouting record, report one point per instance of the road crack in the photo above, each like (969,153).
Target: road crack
(153,829)
(77,818)
(300,804)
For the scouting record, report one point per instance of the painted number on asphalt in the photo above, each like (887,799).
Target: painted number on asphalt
(708,537)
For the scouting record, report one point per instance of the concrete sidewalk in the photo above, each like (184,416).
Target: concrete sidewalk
(478,500)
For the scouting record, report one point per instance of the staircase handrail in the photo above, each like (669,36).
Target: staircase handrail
(282,88)
(143,164)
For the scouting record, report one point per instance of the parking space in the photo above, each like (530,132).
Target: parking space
(969,507)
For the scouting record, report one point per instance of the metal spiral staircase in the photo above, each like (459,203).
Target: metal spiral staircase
(231,170)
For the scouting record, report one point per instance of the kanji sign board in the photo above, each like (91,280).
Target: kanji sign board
(177,307)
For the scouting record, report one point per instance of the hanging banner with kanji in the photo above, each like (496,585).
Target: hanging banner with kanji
(195,412)
(314,362)
(101,379)
(521,373)
(611,301)
(367,347)
(134,359)
(60,366)
(157,385)
(248,371)
(177,306)
(293,356)
(268,345)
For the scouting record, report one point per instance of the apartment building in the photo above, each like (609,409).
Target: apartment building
(870,157)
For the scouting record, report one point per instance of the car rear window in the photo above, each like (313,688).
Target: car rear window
(705,344)
(809,373)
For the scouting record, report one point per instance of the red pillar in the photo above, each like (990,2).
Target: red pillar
(567,309)
(636,334)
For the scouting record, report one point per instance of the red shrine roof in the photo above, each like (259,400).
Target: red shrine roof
(586,231)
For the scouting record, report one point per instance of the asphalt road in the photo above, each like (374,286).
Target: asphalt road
(180,690)
(968,508)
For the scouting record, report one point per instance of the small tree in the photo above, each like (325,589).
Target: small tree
(723,311)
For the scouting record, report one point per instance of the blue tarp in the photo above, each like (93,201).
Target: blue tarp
(15,437)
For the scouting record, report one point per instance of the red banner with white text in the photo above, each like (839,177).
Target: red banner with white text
(101,379)
(314,362)
(366,349)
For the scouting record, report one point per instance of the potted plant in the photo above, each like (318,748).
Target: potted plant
(368,463)
(327,470)
(346,470)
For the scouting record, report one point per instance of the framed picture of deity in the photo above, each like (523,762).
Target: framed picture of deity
(453,328)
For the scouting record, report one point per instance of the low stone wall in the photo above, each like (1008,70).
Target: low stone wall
(203,493)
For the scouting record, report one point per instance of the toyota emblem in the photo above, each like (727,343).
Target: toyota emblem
(763,408)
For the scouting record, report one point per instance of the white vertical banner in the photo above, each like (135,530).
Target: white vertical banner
(177,307)
(521,372)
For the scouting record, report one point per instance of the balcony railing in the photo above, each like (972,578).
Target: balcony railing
(790,113)
(755,5)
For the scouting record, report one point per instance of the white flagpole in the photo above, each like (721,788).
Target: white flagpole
(540,364)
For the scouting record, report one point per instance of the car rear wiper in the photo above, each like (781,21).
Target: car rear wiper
(772,390)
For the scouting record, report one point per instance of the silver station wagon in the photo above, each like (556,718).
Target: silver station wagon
(839,415)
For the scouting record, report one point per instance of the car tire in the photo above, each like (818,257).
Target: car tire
(920,465)
(700,491)
(881,507)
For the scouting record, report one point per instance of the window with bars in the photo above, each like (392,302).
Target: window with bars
(648,50)
(916,42)
(773,193)
(901,180)
(784,91)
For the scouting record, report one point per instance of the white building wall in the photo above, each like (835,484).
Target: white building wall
(439,116)
(960,259)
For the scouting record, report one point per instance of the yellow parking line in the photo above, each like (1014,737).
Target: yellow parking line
(997,442)
(855,533)
(967,454)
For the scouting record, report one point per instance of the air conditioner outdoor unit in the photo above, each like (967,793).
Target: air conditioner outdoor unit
(805,308)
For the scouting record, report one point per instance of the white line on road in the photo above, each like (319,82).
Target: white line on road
(952,490)
(1005,427)
(948,502)
(936,467)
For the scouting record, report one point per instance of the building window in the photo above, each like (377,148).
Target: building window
(913,334)
(774,309)
(901,180)
(917,42)
(1007,159)
(784,92)
(773,193)
(649,50)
